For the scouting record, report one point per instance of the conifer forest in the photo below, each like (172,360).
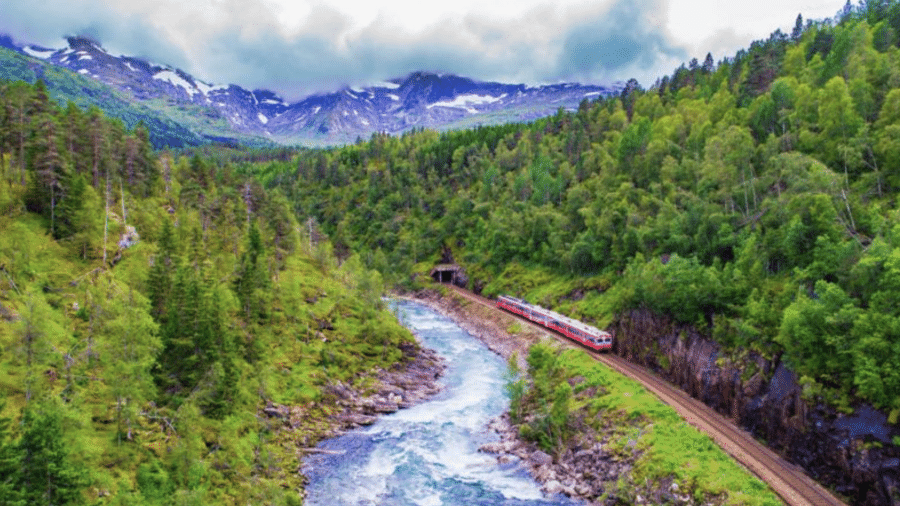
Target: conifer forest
(153,301)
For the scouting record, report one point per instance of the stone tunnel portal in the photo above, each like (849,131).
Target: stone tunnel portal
(449,273)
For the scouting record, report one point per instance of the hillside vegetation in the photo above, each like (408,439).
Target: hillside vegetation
(755,198)
(150,307)
(170,124)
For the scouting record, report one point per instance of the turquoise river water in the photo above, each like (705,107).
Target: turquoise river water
(428,455)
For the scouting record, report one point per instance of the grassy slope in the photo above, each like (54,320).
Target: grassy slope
(667,446)
(321,328)
(639,426)
(172,125)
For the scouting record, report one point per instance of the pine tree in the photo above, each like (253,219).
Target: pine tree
(47,475)
(179,361)
(9,464)
(192,325)
(18,97)
(5,126)
(708,64)
(68,210)
(161,280)
(46,161)
(146,171)
(74,135)
(797,32)
(130,345)
(251,279)
(225,373)
(97,145)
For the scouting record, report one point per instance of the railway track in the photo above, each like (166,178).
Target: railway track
(790,482)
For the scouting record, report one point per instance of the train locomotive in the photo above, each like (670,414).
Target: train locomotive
(587,335)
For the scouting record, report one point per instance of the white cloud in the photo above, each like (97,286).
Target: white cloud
(297,47)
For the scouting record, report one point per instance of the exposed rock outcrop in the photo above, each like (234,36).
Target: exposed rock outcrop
(853,454)
(404,386)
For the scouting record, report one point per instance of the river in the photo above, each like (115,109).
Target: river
(428,455)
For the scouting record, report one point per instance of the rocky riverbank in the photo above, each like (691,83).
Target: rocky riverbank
(585,469)
(396,389)
(350,406)
(482,325)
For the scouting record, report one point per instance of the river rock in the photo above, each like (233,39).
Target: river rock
(540,458)
(553,487)
(359,419)
(494,448)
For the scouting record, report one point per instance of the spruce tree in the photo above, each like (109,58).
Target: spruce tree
(797,32)
(69,208)
(46,160)
(97,145)
(17,99)
(9,464)
(161,278)
(47,475)
(251,278)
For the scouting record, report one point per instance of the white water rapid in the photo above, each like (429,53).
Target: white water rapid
(428,455)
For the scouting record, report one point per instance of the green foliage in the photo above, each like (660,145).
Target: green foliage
(9,461)
(755,199)
(515,388)
(542,406)
(154,483)
(167,124)
(142,360)
(250,281)
(710,197)
(47,473)
(634,424)
(514,329)
(681,288)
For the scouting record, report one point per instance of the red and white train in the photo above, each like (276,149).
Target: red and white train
(591,337)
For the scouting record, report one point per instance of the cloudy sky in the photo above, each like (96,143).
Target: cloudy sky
(297,47)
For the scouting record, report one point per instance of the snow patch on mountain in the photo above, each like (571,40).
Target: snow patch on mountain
(466,102)
(206,89)
(40,53)
(418,100)
(387,85)
(176,80)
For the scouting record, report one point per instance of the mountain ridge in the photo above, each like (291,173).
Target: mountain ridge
(418,100)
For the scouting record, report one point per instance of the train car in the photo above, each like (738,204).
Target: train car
(587,335)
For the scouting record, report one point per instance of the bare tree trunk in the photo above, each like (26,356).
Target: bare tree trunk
(247,201)
(106,217)
(95,163)
(849,212)
(122,194)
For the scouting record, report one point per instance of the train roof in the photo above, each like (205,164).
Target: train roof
(556,316)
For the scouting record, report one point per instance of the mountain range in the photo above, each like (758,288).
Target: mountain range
(171,98)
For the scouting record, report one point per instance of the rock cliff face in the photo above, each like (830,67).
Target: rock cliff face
(851,454)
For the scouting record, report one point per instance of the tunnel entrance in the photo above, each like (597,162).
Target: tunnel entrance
(449,273)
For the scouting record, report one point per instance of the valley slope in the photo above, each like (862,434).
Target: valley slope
(232,113)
